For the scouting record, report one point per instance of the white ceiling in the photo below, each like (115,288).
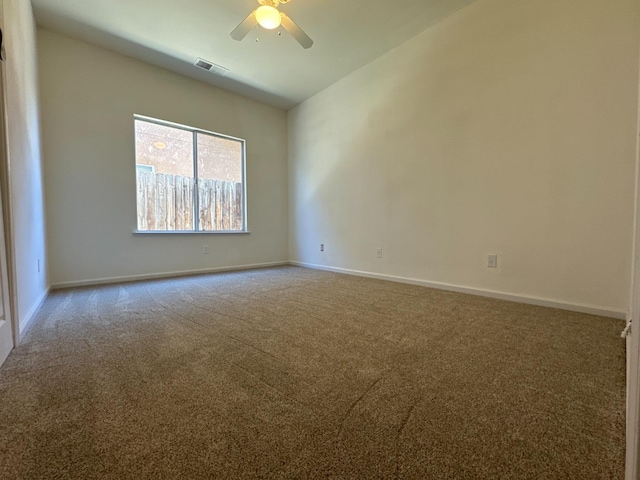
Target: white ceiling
(173,33)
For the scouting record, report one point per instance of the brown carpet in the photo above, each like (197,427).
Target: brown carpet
(290,373)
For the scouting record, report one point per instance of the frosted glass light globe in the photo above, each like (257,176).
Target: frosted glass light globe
(268,17)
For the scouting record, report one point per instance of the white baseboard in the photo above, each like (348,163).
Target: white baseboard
(25,322)
(528,299)
(152,276)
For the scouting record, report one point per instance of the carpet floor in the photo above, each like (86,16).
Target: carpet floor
(291,373)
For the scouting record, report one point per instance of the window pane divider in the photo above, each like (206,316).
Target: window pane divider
(196,185)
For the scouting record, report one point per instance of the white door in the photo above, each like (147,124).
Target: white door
(6,327)
(633,343)
(633,365)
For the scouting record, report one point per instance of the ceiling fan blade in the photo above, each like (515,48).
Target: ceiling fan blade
(245,27)
(295,31)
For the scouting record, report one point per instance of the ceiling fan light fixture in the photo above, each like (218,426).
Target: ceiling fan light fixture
(268,17)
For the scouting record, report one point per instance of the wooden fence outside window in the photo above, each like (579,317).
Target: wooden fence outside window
(166,203)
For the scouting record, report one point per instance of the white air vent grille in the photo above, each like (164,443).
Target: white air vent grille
(211,67)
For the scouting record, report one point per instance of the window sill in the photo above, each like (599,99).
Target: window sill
(190,232)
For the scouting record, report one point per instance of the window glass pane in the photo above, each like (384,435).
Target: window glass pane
(165,177)
(220,183)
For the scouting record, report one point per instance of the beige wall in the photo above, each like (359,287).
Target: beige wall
(89,96)
(508,128)
(25,170)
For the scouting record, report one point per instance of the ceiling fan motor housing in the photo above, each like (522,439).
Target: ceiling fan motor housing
(271,3)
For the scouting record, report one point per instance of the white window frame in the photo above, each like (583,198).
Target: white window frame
(196,197)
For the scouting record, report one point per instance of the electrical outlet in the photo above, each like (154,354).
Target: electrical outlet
(322,247)
(38,265)
(379,252)
(492,261)
(206,249)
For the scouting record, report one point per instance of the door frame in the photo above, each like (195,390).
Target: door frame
(5,186)
(632,467)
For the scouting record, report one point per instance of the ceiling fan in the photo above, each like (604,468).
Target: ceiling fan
(268,16)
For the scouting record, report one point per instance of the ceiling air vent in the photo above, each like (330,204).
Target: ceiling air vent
(211,67)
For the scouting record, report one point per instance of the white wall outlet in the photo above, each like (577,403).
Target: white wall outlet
(379,252)
(322,247)
(206,249)
(492,261)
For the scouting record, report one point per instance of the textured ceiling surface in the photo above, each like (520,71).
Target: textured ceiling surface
(172,34)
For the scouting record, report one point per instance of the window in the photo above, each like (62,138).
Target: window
(188,180)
